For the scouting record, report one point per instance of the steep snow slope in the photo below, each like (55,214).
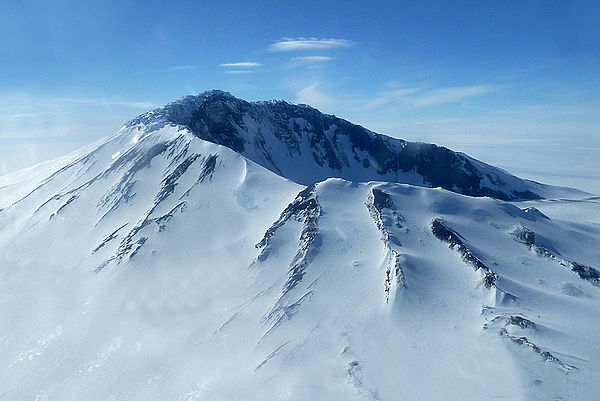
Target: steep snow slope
(157,265)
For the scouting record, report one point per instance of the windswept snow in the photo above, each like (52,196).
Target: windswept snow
(160,266)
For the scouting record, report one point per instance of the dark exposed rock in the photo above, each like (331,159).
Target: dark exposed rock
(305,209)
(524,235)
(164,219)
(209,165)
(208,168)
(336,145)
(445,234)
(394,269)
(521,322)
(67,203)
(378,203)
(381,200)
(136,246)
(136,160)
(547,356)
(528,237)
(304,205)
(170,181)
(587,273)
(129,246)
(63,206)
(220,122)
(512,320)
(108,238)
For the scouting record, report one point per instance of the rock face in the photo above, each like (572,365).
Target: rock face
(445,234)
(307,146)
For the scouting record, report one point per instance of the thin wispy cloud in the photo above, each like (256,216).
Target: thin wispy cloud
(183,67)
(37,114)
(19,104)
(20,115)
(104,102)
(291,44)
(449,95)
(313,59)
(390,97)
(141,105)
(423,97)
(314,96)
(241,64)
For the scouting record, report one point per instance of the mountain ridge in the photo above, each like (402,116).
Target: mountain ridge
(303,144)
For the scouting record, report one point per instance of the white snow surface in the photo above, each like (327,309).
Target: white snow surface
(144,276)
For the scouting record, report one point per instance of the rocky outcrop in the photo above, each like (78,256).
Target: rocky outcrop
(527,237)
(305,208)
(442,232)
(546,355)
(379,203)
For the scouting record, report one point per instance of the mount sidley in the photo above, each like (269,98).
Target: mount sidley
(221,249)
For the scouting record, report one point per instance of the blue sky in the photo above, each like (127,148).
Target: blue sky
(470,75)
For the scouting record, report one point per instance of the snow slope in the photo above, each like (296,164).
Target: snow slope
(157,265)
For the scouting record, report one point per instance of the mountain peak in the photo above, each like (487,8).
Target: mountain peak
(216,92)
(300,143)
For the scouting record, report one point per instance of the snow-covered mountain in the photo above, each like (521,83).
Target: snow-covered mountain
(219,249)
(302,144)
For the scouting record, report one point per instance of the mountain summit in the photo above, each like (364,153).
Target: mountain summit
(222,250)
(300,143)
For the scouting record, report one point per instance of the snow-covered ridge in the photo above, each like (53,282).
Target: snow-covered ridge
(163,263)
(300,143)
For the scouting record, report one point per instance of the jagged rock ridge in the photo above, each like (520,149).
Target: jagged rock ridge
(303,144)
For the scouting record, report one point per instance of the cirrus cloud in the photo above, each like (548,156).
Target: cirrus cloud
(297,44)
(423,97)
(313,59)
(315,97)
(241,64)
